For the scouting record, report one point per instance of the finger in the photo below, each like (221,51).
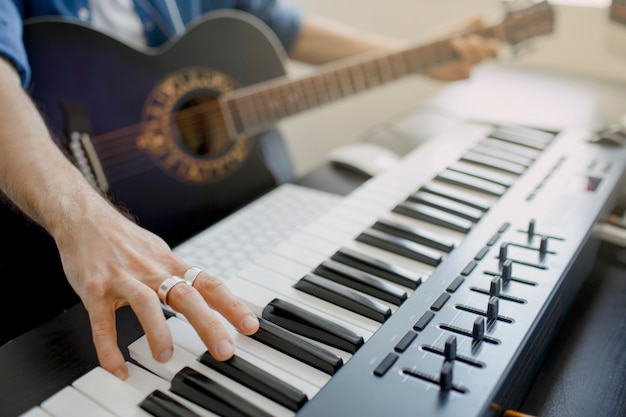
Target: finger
(147,308)
(102,320)
(219,296)
(188,301)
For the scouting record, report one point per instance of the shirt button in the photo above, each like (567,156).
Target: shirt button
(83,14)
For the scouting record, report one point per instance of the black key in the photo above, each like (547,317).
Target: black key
(415,234)
(493,152)
(258,380)
(457,195)
(198,388)
(305,323)
(482,173)
(293,345)
(400,246)
(447,205)
(160,405)
(360,281)
(382,269)
(432,215)
(493,162)
(471,183)
(339,295)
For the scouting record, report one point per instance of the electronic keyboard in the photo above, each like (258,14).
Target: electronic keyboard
(433,289)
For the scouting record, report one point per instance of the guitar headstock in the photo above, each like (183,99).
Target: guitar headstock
(525,22)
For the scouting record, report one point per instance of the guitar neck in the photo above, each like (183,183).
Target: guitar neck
(256,108)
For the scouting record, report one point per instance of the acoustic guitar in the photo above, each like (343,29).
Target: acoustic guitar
(178,133)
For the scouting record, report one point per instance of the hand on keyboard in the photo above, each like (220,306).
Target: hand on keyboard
(130,265)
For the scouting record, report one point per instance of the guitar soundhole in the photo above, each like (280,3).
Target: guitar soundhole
(199,127)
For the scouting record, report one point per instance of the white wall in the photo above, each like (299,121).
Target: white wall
(577,46)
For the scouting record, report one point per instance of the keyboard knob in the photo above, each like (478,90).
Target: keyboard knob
(478,330)
(507,271)
(531,229)
(504,248)
(445,377)
(449,349)
(543,246)
(492,308)
(495,286)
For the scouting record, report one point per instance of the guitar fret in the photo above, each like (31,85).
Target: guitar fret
(386,70)
(284,98)
(371,75)
(334,89)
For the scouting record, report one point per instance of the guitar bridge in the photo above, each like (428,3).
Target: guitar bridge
(87,161)
(80,145)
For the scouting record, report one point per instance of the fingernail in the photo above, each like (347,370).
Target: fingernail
(120,374)
(225,349)
(250,323)
(165,355)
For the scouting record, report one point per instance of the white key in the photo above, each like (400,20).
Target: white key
(69,402)
(35,412)
(111,393)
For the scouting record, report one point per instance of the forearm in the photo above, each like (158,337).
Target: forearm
(322,40)
(34,173)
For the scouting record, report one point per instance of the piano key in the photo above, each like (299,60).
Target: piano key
(202,390)
(69,402)
(247,374)
(485,149)
(414,234)
(447,205)
(511,148)
(341,241)
(293,345)
(35,412)
(187,339)
(433,215)
(493,162)
(147,382)
(303,322)
(443,233)
(361,281)
(377,267)
(357,281)
(341,296)
(140,352)
(159,404)
(258,287)
(110,392)
(471,183)
(400,246)
(528,139)
(486,174)
(472,199)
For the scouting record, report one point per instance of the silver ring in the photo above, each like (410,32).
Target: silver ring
(191,274)
(167,285)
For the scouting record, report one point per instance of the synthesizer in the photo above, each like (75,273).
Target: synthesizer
(433,289)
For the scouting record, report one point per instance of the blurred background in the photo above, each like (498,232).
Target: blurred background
(579,46)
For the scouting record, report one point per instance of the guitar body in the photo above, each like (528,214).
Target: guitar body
(128,94)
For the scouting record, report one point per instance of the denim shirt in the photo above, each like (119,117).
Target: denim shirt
(282,18)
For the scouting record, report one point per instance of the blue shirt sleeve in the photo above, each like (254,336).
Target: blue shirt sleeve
(11,45)
(283,18)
